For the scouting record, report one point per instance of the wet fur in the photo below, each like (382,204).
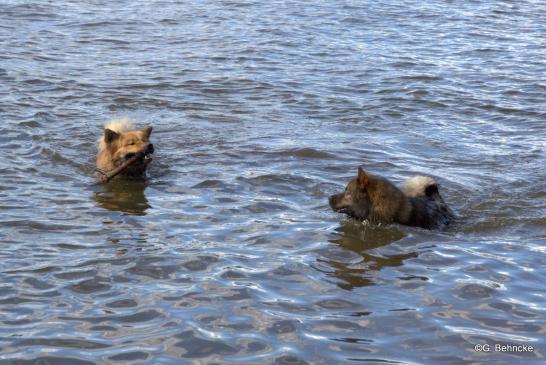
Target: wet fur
(118,142)
(377,200)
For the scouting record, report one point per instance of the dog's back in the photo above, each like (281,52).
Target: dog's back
(429,210)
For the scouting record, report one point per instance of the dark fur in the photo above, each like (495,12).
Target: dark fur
(379,201)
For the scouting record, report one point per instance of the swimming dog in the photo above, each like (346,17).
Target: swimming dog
(119,143)
(376,199)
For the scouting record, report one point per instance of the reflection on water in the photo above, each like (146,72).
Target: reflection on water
(360,236)
(353,271)
(124,196)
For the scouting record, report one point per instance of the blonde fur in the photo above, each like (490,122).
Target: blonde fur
(119,125)
(416,186)
(119,141)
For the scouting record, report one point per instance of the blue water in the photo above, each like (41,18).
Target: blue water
(228,253)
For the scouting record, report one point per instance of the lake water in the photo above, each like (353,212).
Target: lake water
(229,253)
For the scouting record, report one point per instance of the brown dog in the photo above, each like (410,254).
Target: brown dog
(377,200)
(119,143)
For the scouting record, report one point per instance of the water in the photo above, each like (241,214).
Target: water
(229,253)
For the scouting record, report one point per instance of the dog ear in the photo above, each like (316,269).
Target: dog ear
(146,132)
(110,135)
(362,177)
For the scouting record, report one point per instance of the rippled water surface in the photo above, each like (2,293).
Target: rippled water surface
(228,253)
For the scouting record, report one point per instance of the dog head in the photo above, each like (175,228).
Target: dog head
(124,146)
(354,201)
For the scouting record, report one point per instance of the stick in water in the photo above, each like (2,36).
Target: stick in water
(107,176)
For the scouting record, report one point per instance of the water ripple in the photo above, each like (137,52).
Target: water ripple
(228,252)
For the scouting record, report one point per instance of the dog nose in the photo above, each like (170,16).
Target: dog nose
(150,148)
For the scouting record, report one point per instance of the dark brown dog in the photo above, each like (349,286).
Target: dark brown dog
(377,200)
